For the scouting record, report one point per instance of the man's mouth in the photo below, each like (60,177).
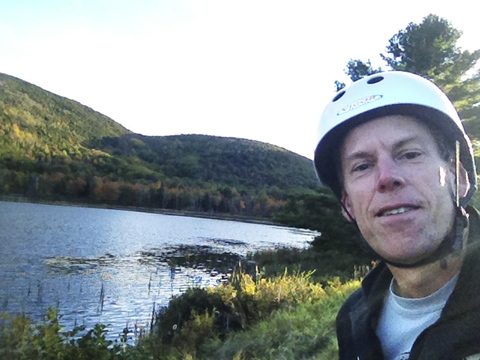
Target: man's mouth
(396,211)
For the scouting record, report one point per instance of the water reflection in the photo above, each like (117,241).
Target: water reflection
(204,259)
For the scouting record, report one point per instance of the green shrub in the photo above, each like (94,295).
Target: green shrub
(199,315)
(194,301)
(307,332)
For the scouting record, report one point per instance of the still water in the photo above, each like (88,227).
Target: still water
(115,267)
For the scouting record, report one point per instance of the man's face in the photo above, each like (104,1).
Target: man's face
(397,187)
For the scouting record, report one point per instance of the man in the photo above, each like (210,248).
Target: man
(393,150)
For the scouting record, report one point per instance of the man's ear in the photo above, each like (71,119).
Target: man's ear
(347,208)
(463,182)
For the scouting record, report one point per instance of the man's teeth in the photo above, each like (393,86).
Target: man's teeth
(396,211)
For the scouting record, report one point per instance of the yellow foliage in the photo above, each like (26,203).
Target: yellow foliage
(17,132)
(336,287)
(248,285)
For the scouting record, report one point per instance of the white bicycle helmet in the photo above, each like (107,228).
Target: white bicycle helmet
(383,94)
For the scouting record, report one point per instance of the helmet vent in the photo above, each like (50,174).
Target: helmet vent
(375,80)
(339,95)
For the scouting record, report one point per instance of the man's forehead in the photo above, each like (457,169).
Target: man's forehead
(395,130)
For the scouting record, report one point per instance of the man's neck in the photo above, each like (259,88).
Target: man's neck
(425,280)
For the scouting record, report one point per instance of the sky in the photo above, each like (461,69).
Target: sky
(254,69)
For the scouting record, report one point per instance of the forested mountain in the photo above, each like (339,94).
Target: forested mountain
(227,161)
(55,148)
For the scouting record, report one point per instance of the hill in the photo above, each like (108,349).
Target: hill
(52,147)
(34,121)
(226,161)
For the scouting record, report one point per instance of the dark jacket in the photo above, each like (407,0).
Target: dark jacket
(456,335)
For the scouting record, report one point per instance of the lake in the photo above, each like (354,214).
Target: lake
(114,266)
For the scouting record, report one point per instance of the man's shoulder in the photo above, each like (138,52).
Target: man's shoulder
(370,294)
(353,302)
(474,222)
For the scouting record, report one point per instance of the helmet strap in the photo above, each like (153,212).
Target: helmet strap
(457,174)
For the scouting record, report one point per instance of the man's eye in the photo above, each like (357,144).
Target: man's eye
(360,167)
(410,155)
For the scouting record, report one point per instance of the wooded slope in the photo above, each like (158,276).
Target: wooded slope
(54,147)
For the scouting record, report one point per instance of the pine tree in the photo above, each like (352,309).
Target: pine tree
(430,49)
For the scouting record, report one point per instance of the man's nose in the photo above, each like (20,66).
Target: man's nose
(389,175)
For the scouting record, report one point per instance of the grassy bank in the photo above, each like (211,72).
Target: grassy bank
(283,317)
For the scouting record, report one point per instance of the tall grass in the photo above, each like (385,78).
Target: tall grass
(324,265)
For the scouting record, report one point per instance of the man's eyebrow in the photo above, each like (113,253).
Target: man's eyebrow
(401,143)
(358,155)
(363,154)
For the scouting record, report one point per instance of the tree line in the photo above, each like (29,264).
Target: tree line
(171,194)
(173,179)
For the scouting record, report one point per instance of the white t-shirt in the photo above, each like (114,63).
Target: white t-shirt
(403,319)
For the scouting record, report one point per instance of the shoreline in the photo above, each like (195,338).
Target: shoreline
(215,216)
